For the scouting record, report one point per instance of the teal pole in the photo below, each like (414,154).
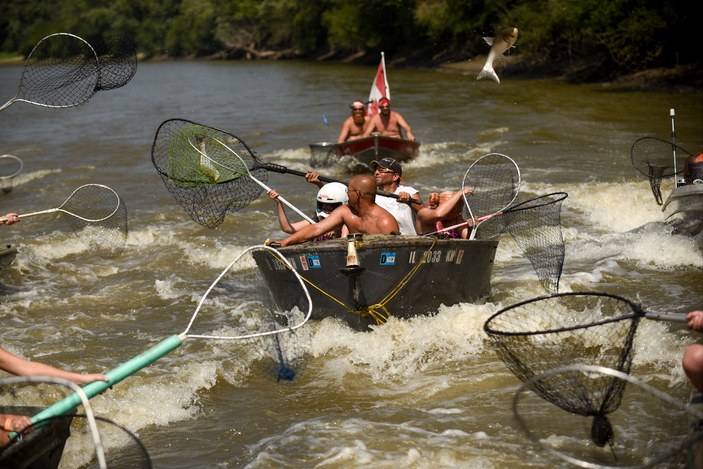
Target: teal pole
(128,368)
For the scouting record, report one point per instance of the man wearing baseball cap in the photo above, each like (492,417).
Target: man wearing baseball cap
(388,172)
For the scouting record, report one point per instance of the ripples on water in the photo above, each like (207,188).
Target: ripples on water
(423,393)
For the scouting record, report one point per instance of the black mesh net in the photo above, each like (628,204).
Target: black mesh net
(654,158)
(117,55)
(544,333)
(206,170)
(10,166)
(61,71)
(98,216)
(495,179)
(536,227)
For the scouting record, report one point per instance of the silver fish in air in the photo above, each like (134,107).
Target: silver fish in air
(499,44)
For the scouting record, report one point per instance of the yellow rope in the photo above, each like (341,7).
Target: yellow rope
(373,310)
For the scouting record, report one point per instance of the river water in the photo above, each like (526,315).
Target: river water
(429,392)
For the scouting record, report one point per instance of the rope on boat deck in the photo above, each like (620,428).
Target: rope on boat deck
(378,311)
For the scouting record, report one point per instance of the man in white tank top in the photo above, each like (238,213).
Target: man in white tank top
(388,172)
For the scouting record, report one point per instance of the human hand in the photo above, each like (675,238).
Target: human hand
(312,177)
(16,423)
(273,195)
(403,197)
(468,190)
(433,200)
(85,378)
(695,320)
(10,218)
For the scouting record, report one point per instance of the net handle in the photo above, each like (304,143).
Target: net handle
(60,209)
(277,168)
(167,345)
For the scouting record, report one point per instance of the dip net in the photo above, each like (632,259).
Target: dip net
(535,225)
(656,159)
(117,55)
(207,179)
(538,335)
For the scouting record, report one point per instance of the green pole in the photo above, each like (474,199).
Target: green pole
(128,368)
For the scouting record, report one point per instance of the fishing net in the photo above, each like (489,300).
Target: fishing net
(205,170)
(98,216)
(544,333)
(10,166)
(117,55)
(654,427)
(61,71)
(536,227)
(656,159)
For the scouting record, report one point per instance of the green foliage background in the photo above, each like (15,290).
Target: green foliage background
(606,37)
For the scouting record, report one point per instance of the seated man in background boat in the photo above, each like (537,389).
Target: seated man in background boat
(388,123)
(353,127)
(443,216)
(9,219)
(329,197)
(360,215)
(388,172)
(15,365)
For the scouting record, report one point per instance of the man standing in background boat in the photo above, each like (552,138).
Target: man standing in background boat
(361,215)
(353,127)
(388,123)
(388,172)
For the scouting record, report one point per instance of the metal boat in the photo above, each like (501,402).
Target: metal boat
(684,209)
(365,279)
(357,154)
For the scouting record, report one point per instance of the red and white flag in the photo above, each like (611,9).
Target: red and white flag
(379,88)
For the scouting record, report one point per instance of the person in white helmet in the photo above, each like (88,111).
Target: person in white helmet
(329,197)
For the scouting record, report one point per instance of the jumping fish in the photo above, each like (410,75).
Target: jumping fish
(499,44)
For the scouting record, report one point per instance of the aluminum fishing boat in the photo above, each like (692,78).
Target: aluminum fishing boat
(365,279)
(356,155)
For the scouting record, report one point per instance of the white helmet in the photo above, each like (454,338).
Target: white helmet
(329,197)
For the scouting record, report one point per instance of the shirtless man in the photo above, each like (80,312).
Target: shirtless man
(444,210)
(361,215)
(353,127)
(388,123)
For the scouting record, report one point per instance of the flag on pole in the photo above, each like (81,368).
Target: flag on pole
(379,88)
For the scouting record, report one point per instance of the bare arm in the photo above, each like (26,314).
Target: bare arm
(404,125)
(21,367)
(309,232)
(346,130)
(370,126)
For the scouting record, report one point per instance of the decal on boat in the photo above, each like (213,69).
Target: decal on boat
(450,255)
(387,258)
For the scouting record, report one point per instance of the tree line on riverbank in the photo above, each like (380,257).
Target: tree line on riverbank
(595,39)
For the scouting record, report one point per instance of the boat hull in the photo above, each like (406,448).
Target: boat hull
(356,155)
(401,276)
(684,209)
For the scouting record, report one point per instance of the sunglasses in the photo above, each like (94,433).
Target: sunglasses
(360,109)
(384,170)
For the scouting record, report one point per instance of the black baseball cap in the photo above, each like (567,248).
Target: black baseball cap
(388,163)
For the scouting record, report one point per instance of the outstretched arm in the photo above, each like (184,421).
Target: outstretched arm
(286,225)
(21,367)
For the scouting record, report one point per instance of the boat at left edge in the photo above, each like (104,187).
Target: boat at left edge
(40,449)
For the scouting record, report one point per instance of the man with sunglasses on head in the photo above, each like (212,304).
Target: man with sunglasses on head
(388,123)
(387,172)
(354,126)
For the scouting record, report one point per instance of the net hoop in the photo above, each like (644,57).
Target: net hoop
(20,165)
(92,220)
